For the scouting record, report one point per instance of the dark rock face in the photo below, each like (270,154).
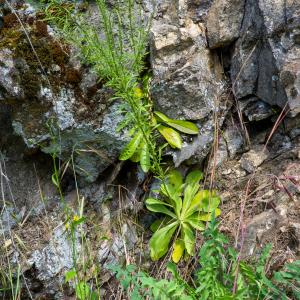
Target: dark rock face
(265,61)
(254,72)
(266,56)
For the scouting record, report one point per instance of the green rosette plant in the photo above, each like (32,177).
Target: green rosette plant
(186,208)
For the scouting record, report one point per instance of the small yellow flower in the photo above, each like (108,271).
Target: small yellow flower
(138,93)
(67,226)
(76,218)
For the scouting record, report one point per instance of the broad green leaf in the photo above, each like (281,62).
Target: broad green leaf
(145,158)
(175,186)
(210,203)
(157,224)
(159,242)
(208,216)
(178,250)
(172,197)
(131,147)
(70,275)
(159,206)
(171,136)
(195,204)
(204,200)
(138,93)
(189,194)
(194,177)
(168,190)
(188,238)
(183,126)
(173,269)
(137,154)
(195,223)
(175,178)
(161,116)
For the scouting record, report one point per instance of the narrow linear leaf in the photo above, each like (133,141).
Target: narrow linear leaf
(54,180)
(82,291)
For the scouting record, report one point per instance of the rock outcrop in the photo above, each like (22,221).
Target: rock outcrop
(51,101)
(214,62)
(188,81)
(265,62)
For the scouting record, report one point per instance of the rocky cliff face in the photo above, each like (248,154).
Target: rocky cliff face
(51,101)
(264,67)
(228,65)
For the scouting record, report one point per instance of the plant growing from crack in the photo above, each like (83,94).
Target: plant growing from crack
(73,225)
(186,208)
(117,55)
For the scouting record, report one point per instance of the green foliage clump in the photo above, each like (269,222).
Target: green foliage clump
(220,276)
(186,207)
(116,48)
(139,149)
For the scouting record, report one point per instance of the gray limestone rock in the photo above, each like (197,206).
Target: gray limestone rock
(92,149)
(253,159)
(261,228)
(188,82)
(230,143)
(258,110)
(224,21)
(187,78)
(10,87)
(56,258)
(7,220)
